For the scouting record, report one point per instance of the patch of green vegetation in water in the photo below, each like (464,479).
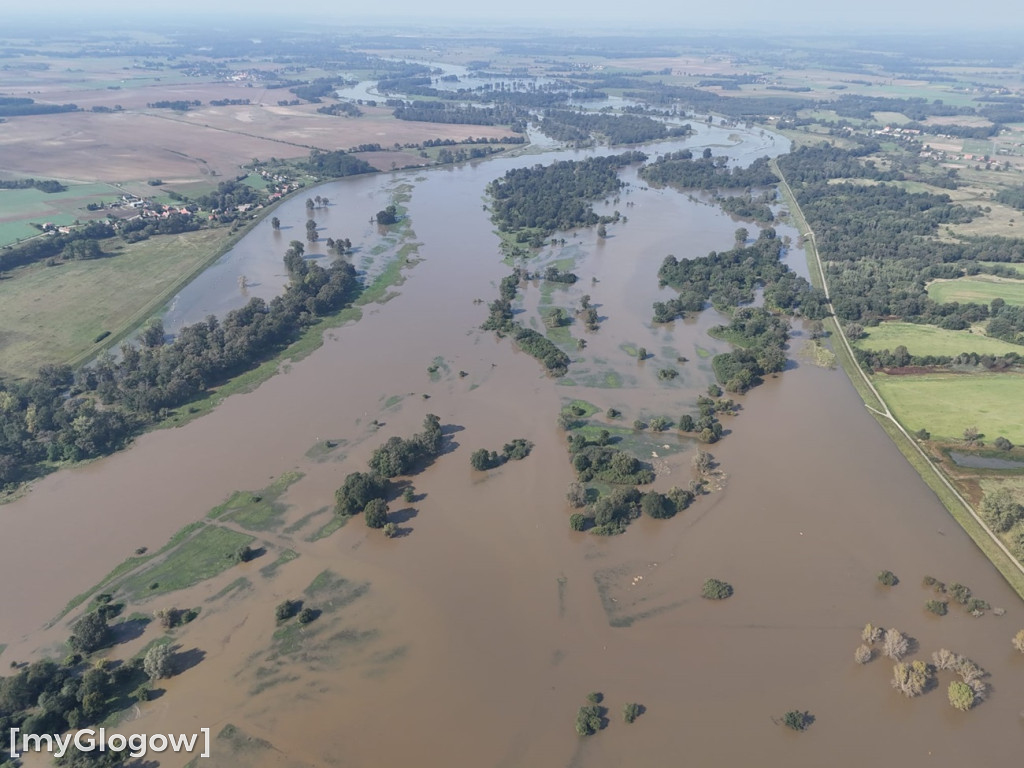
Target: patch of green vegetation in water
(238,585)
(208,553)
(438,368)
(267,571)
(322,450)
(257,510)
(336,523)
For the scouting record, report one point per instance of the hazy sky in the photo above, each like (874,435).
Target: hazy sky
(776,16)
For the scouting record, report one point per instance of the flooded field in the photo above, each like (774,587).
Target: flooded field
(471,639)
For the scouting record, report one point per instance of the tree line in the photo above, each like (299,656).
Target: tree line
(43,185)
(61,415)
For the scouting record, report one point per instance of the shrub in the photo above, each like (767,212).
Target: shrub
(888,579)
(638,425)
(588,720)
(577,521)
(716,590)
(938,607)
(408,494)
(518,449)
(390,530)
(960,593)
(702,462)
(796,720)
(613,413)
(1003,444)
(660,423)
(595,698)
(714,390)
(667,374)
(1018,641)
(287,609)
(307,615)
(482,460)
(961,696)
(244,554)
(863,654)
(871,634)
(631,712)
(976,605)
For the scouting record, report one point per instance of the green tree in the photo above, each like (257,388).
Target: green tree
(631,712)
(961,696)
(716,590)
(158,662)
(376,513)
(577,521)
(888,579)
(588,720)
(358,490)
(796,720)
(482,460)
(275,223)
(90,633)
(287,609)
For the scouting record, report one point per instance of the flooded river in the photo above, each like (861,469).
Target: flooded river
(472,639)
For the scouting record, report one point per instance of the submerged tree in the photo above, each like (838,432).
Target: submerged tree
(961,696)
(895,644)
(910,679)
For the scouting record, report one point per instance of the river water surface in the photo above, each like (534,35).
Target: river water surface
(471,640)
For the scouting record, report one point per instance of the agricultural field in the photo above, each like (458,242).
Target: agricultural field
(946,404)
(981,289)
(53,314)
(19,208)
(923,340)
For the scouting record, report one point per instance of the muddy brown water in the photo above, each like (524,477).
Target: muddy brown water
(472,640)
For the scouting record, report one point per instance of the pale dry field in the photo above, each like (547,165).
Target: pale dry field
(183,147)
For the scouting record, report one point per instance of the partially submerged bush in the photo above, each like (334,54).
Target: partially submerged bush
(961,696)
(888,579)
(796,720)
(588,720)
(716,590)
